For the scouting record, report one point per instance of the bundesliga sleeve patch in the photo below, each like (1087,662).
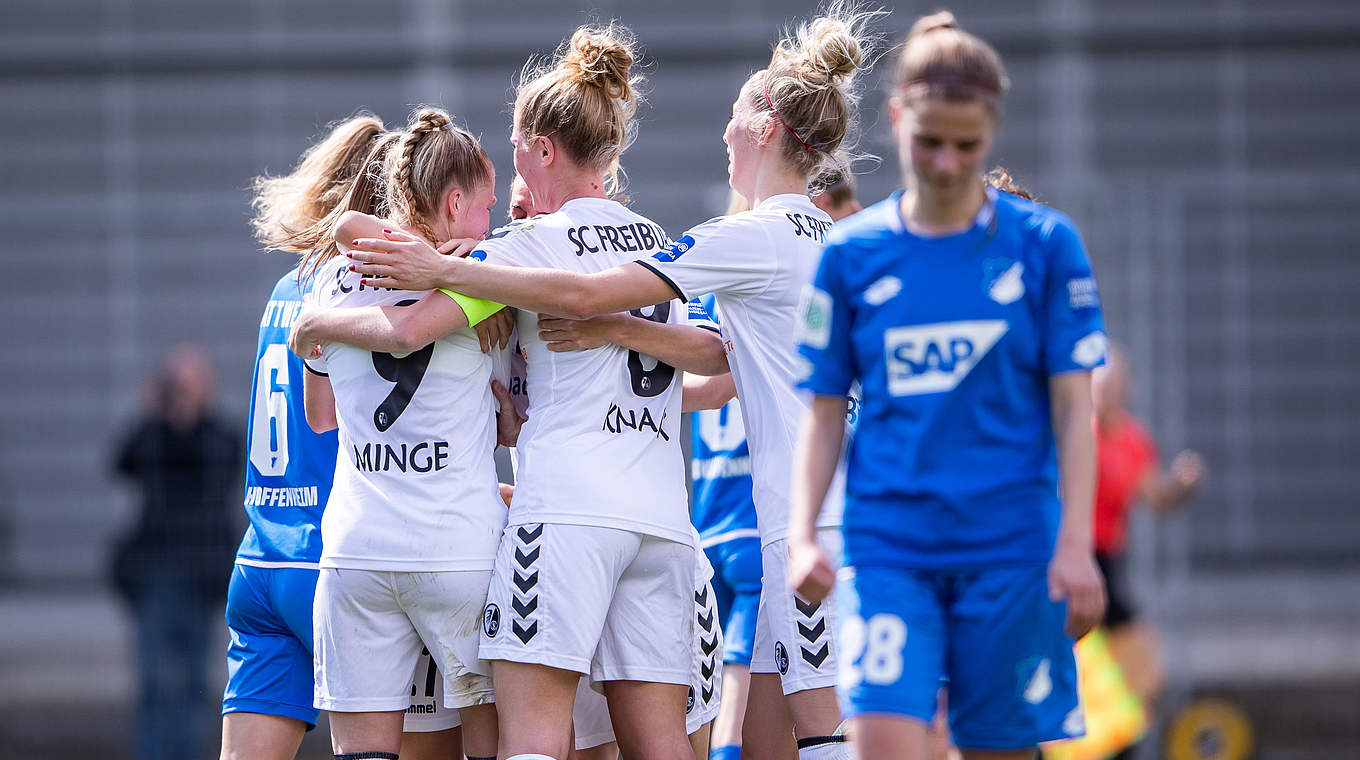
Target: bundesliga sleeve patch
(676,250)
(1082,293)
(814,324)
(1090,351)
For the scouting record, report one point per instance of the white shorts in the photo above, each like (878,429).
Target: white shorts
(590,715)
(427,712)
(608,603)
(794,638)
(369,628)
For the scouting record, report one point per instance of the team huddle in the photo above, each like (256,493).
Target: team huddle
(893,455)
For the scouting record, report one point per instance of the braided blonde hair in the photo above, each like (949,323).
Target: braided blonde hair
(431,155)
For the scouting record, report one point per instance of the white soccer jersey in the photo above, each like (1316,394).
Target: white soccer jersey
(756,264)
(415,483)
(602,443)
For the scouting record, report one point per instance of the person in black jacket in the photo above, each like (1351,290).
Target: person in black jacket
(173,565)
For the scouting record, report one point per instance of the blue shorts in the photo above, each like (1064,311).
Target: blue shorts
(991,633)
(269,657)
(736,583)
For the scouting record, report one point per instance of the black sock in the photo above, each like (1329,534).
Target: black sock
(365,756)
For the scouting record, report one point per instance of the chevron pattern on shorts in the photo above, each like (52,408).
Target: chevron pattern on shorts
(709,634)
(813,643)
(525,577)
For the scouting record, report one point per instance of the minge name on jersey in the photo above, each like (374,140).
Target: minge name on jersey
(280,313)
(629,238)
(618,418)
(935,358)
(720,467)
(384,457)
(807,226)
(259,496)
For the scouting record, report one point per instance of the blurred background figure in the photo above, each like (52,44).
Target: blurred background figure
(171,568)
(1128,473)
(838,198)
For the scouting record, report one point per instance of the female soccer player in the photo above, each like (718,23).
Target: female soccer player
(787,122)
(595,572)
(415,512)
(971,321)
(267,705)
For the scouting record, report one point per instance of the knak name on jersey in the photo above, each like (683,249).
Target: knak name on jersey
(618,418)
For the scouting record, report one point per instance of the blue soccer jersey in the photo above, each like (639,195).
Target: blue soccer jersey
(720,468)
(290,468)
(953,340)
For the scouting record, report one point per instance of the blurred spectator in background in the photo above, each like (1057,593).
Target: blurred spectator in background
(1127,472)
(838,197)
(172,567)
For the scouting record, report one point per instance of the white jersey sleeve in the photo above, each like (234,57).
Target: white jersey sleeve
(756,264)
(732,254)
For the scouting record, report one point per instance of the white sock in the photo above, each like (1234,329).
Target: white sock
(824,748)
(530,757)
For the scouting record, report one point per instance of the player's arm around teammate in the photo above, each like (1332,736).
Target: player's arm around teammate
(415,514)
(788,122)
(686,347)
(962,561)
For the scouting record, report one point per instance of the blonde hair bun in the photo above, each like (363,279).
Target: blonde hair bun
(601,58)
(831,52)
(933,22)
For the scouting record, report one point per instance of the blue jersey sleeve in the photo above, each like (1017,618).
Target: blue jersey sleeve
(1074,338)
(824,331)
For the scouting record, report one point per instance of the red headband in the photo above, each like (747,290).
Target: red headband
(964,82)
(779,118)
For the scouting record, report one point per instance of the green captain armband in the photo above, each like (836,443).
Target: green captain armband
(476,309)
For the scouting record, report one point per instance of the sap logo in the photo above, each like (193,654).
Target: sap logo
(676,250)
(935,358)
(882,290)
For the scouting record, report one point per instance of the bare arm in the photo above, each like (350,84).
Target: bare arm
(688,348)
(1072,574)
(391,329)
(354,224)
(413,264)
(820,437)
(318,402)
(708,392)
(1166,491)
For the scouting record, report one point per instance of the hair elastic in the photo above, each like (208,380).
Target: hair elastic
(965,82)
(779,118)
